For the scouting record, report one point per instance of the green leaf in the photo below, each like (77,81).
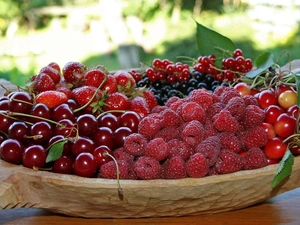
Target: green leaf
(55,151)
(284,169)
(211,42)
(262,63)
(297,77)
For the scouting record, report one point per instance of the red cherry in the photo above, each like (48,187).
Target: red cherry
(41,132)
(285,125)
(87,124)
(293,111)
(34,156)
(40,110)
(269,128)
(267,98)
(82,144)
(272,112)
(20,102)
(11,151)
(63,165)
(243,89)
(85,165)
(108,120)
(104,136)
(119,136)
(99,155)
(130,119)
(275,148)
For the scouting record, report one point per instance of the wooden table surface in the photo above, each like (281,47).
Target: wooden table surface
(282,209)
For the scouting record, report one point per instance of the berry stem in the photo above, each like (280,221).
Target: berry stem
(120,190)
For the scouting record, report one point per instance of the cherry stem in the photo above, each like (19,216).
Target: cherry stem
(120,190)
(25,102)
(92,98)
(110,111)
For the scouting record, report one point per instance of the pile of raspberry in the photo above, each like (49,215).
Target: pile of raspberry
(200,135)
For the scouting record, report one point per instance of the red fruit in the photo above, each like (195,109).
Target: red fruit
(73,72)
(67,91)
(210,148)
(243,89)
(150,99)
(55,66)
(139,105)
(228,94)
(11,151)
(272,112)
(147,168)
(125,82)
(85,94)
(236,106)
(202,97)
(228,162)
(192,111)
(170,118)
(287,99)
(285,125)
(230,141)
(253,116)
(282,88)
(224,121)
(254,137)
(34,156)
(267,98)
(51,99)
(269,128)
(43,82)
(255,158)
(119,136)
(135,144)
(94,77)
(157,148)
(100,155)
(85,165)
(192,133)
(63,165)
(293,111)
(110,86)
(197,166)
(177,147)
(275,148)
(116,101)
(149,126)
(129,119)
(53,73)
(109,170)
(174,168)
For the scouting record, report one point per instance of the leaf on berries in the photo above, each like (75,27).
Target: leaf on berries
(263,62)
(211,42)
(55,151)
(284,169)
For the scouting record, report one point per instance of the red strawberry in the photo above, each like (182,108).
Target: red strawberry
(110,86)
(139,105)
(125,82)
(82,95)
(116,101)
(73,73)
(150,99)
(65,90)
(94,77)
(55,66)
(53,73)
(43,82)
(51,98)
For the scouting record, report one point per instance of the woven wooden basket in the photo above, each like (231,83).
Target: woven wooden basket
(98,198)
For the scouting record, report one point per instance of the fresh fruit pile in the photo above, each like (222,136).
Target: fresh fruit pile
(92,123)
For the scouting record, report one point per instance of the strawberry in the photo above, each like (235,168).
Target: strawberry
(139,105)
(84,94)
(73,72)
(94,77)
(125,82)
(53,73)
(150,99)
(55,66)
(110,85)
(116,101)
(51,98)
(43,82)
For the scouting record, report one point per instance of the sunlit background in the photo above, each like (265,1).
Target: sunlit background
(127,33)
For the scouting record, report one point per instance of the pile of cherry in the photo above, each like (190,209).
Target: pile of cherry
(92,123)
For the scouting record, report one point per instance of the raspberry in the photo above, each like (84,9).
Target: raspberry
(216,98)
(121,154)
(250,100)
(236,106)
(176,104)
(228,94)
(220,89)
(174,168)
(254,158)
(197,166)
(230,141)
(224,121)
(109,171)
(228,162)
(149,126)
(253,116)
(147,168)
(171,100)
(210,148)
(169,118)
(192,133)
(157,148)
(179,148)
(215,109)
(168,133)
(192,111)
(254,137)
(159,108)
(209,129)
(135,144)
(202,97)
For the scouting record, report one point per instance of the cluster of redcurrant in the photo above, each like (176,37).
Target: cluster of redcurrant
(233,67)
(164,69)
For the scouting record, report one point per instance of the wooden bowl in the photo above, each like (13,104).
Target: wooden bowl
(98,198)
